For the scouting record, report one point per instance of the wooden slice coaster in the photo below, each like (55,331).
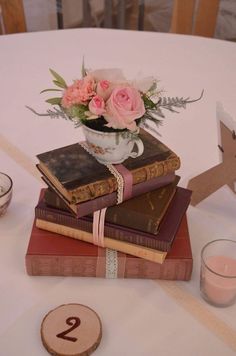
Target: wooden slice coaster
(71,330)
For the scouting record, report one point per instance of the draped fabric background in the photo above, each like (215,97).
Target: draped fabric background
(41,15)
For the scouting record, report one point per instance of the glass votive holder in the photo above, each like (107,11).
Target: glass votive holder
(6,187)
(218,272)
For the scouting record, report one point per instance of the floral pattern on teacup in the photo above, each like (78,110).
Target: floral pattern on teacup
(99,150)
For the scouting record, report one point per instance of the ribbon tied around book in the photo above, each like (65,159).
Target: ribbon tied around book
(124,191)
(123,177)
(110,263)
(98,227)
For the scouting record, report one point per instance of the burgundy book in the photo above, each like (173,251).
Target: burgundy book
(143,213)
(51,254)
(54,198)
(161,241)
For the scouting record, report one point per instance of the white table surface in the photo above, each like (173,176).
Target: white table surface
(139,317)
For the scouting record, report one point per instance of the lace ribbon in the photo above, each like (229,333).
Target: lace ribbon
(111,263)
(120,182)
(124,181)
(123,177)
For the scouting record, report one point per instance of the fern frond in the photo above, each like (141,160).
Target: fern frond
(170,103)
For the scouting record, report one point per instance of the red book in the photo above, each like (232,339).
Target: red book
(51,254)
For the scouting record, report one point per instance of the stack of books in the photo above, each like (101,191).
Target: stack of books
(145,236)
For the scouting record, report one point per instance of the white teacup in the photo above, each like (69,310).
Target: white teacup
(112,147)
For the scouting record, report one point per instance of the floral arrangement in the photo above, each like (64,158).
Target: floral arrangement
(105,101)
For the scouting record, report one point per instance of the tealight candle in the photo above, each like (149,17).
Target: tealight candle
(5,192)
(218,272)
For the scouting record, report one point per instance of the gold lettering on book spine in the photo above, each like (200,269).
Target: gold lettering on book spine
(107,186)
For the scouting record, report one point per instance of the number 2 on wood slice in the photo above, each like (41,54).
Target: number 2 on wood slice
(71,329)
(74,321)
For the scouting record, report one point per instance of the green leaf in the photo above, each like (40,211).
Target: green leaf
(45,90)
(148,103)
(78,111)
(58,78)
(83,70)
(59,84)
(153,87)
(54,101)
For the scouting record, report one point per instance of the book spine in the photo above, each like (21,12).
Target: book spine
(55,199)
(132,249)
(84,266)
(120,234)
(170,269)
(107,186)
(38,265)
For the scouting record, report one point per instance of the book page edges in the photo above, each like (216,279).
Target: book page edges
(125,247)
(107,186)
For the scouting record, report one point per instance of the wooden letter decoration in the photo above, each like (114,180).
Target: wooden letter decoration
(214,178)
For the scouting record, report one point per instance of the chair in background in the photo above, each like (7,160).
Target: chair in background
(12,17)
(116,15)
(195,17)
(121,14)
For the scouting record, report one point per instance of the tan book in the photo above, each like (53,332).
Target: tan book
(122,246)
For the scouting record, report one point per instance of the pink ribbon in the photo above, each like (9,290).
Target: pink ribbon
(99,215)
(96,216)
(98,227)
(125,173)
(128,180)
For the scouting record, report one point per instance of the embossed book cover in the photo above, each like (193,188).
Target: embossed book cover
(50,254)
(79,177)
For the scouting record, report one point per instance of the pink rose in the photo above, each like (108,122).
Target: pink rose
(104,89)
(80,92)
(97,105)
(123,107)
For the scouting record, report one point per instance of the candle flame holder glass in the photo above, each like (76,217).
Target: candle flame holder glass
(218,272)
(6,187)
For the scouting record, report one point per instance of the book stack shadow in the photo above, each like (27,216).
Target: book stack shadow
(145,236)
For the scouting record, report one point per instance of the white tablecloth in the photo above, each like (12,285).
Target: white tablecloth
(139,317)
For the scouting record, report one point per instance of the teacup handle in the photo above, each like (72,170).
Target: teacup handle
(140,146)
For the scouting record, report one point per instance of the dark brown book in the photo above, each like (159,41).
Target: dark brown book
(55,199)
(51,254)
(143,213)
(79,177)
(65,223)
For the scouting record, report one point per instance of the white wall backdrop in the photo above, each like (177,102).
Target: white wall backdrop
(41,15)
